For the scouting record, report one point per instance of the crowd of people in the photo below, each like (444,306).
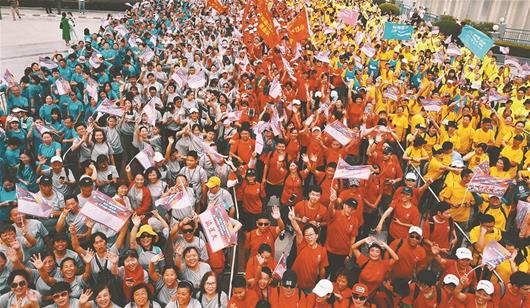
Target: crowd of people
(235,123)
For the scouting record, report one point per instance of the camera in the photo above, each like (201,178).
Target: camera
(292,198)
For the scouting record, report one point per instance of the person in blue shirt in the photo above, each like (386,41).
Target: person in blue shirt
(373,68)
(8,197)
(26,172)
(64,70)
(68,134)
(57,121)
(45,111)
(48,147)
(36,92)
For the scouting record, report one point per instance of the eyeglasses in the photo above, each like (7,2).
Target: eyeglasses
(145,235)
(361,298)
(187,231)
(263,224)
(59,295)
(310,235)
(415,237)
(21,284)
(410,180)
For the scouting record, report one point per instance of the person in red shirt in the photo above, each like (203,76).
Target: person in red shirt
(357,193)
(460,267)
(287,295)
(448,286)
(391,293)
(325,180)
(243,148)
(251,199)
(321,295)
(391,173)
(264,233)
(439,229)
(263,258)
(292,186)
(311,258)
(372,195)
(359,297)
(263,286)
(425,292)
(311,211)
(241,296)
(341,289)
(411,255)
(517,290)
(373,268)
(483,297)
(411,180)
(405,216)
(342,230)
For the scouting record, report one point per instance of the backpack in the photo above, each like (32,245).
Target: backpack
(451,226)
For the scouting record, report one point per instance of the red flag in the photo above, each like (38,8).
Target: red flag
(298,28)
(266,29)
(216,5)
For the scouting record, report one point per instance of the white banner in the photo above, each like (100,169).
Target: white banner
(347,171)
(339,132)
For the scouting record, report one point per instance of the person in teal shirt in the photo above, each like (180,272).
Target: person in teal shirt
(15,131)
(74,108)
(45,112)
(48,147)
(8,196)
(57,122)
(12,154)
(69,134)
(26,172)
(36,92)
(16,99)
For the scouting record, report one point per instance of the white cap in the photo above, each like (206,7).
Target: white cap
(56,159)
(297,102)
(316,128)
(485,285)
(464,253)
(450,278)
(192,110)
(14,119)
(158,157)
(16,109)
(415,229)
(318,94)
(458,164)
(334,94)
(411,176)
(323,288)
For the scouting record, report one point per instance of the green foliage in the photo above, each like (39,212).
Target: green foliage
(448,26)
(447,18)
(379,2)
(517,50)
(483,26)
(389,8)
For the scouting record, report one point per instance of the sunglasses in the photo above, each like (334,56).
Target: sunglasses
(187,231)
(21,284)
(415,237)
(263,224)
(59,295)
(361,298)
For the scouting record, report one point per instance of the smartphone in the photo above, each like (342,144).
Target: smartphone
(251,112)
(109,177)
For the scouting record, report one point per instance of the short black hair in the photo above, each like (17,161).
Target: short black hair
(486,218)
(426,277)
(239,282)
(264,247)
(520,279)
(315,188)
(60,287)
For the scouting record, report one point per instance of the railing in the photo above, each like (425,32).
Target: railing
(520,36)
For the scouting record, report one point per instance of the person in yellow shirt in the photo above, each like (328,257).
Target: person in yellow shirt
(460,199)
(514,153)
(450,134)
(501,168)
(484,233)
(516,263)
(496,208)
(466,132)
(484,134)
(400,122)
(474,158)
(517,130)
(416,154)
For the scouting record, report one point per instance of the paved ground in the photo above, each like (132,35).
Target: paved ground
(37,34)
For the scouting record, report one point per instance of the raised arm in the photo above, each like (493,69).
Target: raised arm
(296,227)
(383,218)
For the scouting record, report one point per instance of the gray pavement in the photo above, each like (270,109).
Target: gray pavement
(37,34)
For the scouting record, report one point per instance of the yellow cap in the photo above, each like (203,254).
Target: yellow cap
(145,229)
(213,181)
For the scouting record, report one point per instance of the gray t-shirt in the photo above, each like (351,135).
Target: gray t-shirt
(74,303)
(218,301)
(101,149)
(164,294)
(196,177)
(113,138)
(66,174)
(37,230)
(197,242)
(195,277)
(192,304)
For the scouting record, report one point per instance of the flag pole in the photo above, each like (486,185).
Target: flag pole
(234,250)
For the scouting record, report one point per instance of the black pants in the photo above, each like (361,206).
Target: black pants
(271,190)
(335,263)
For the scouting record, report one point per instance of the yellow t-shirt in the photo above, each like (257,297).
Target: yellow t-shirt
(500,214)
(474,234)
(481,136)
(435,169)
(466,139)
(457,195)
(476,159)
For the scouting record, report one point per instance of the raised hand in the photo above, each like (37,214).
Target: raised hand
(33,296)
(36,260)
(85,296)
(291,214)
(260,258)
(112,257)
(11,254)
(89,256)
(136,220)
(157,258)
(275,212)
(179,249)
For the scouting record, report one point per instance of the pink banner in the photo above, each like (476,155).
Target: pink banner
(339,132)
(347,171)
(105,210)
(177,201)
(485,184)
(107,106)
(218,228)
(30,204)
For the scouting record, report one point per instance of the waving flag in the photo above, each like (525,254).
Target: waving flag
(177,201)
(47,63)
(476,41)
(522,220)
(281,267)
(92,88)
(207,149)
(348,16)
(368,50)
(105,210)
(482,169)
(106,106)
(30,204)
(266,28)
(486,184)
(453,50)
(493,95)
(216,5)
(431,105)
(197,81)
(217,228)
(396,31)
(63,86)
(9,78)
(339,132)
(347,171)
(494,254)
(146,156)
(275,88)
(150,110)
(299,29)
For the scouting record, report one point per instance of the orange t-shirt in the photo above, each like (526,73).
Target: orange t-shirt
(244,149)
(373,272)
(275,175)
(409,215)
(390,169)
(251,197)
(251,299)
(307,264)
(410,259)
(422,301)
(311,300)
(293,147)
(346,294)
(341,230)
(441,231)
(216,259)
(326,184)
(357,194)
(355,114)
(509,299)
(252,265)
(470,302)
(253,240)
(373,187)
(449,267)
(277,299)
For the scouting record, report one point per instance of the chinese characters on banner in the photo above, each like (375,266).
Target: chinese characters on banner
(476,41)
(266,29)
(395,31)
(218,228)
